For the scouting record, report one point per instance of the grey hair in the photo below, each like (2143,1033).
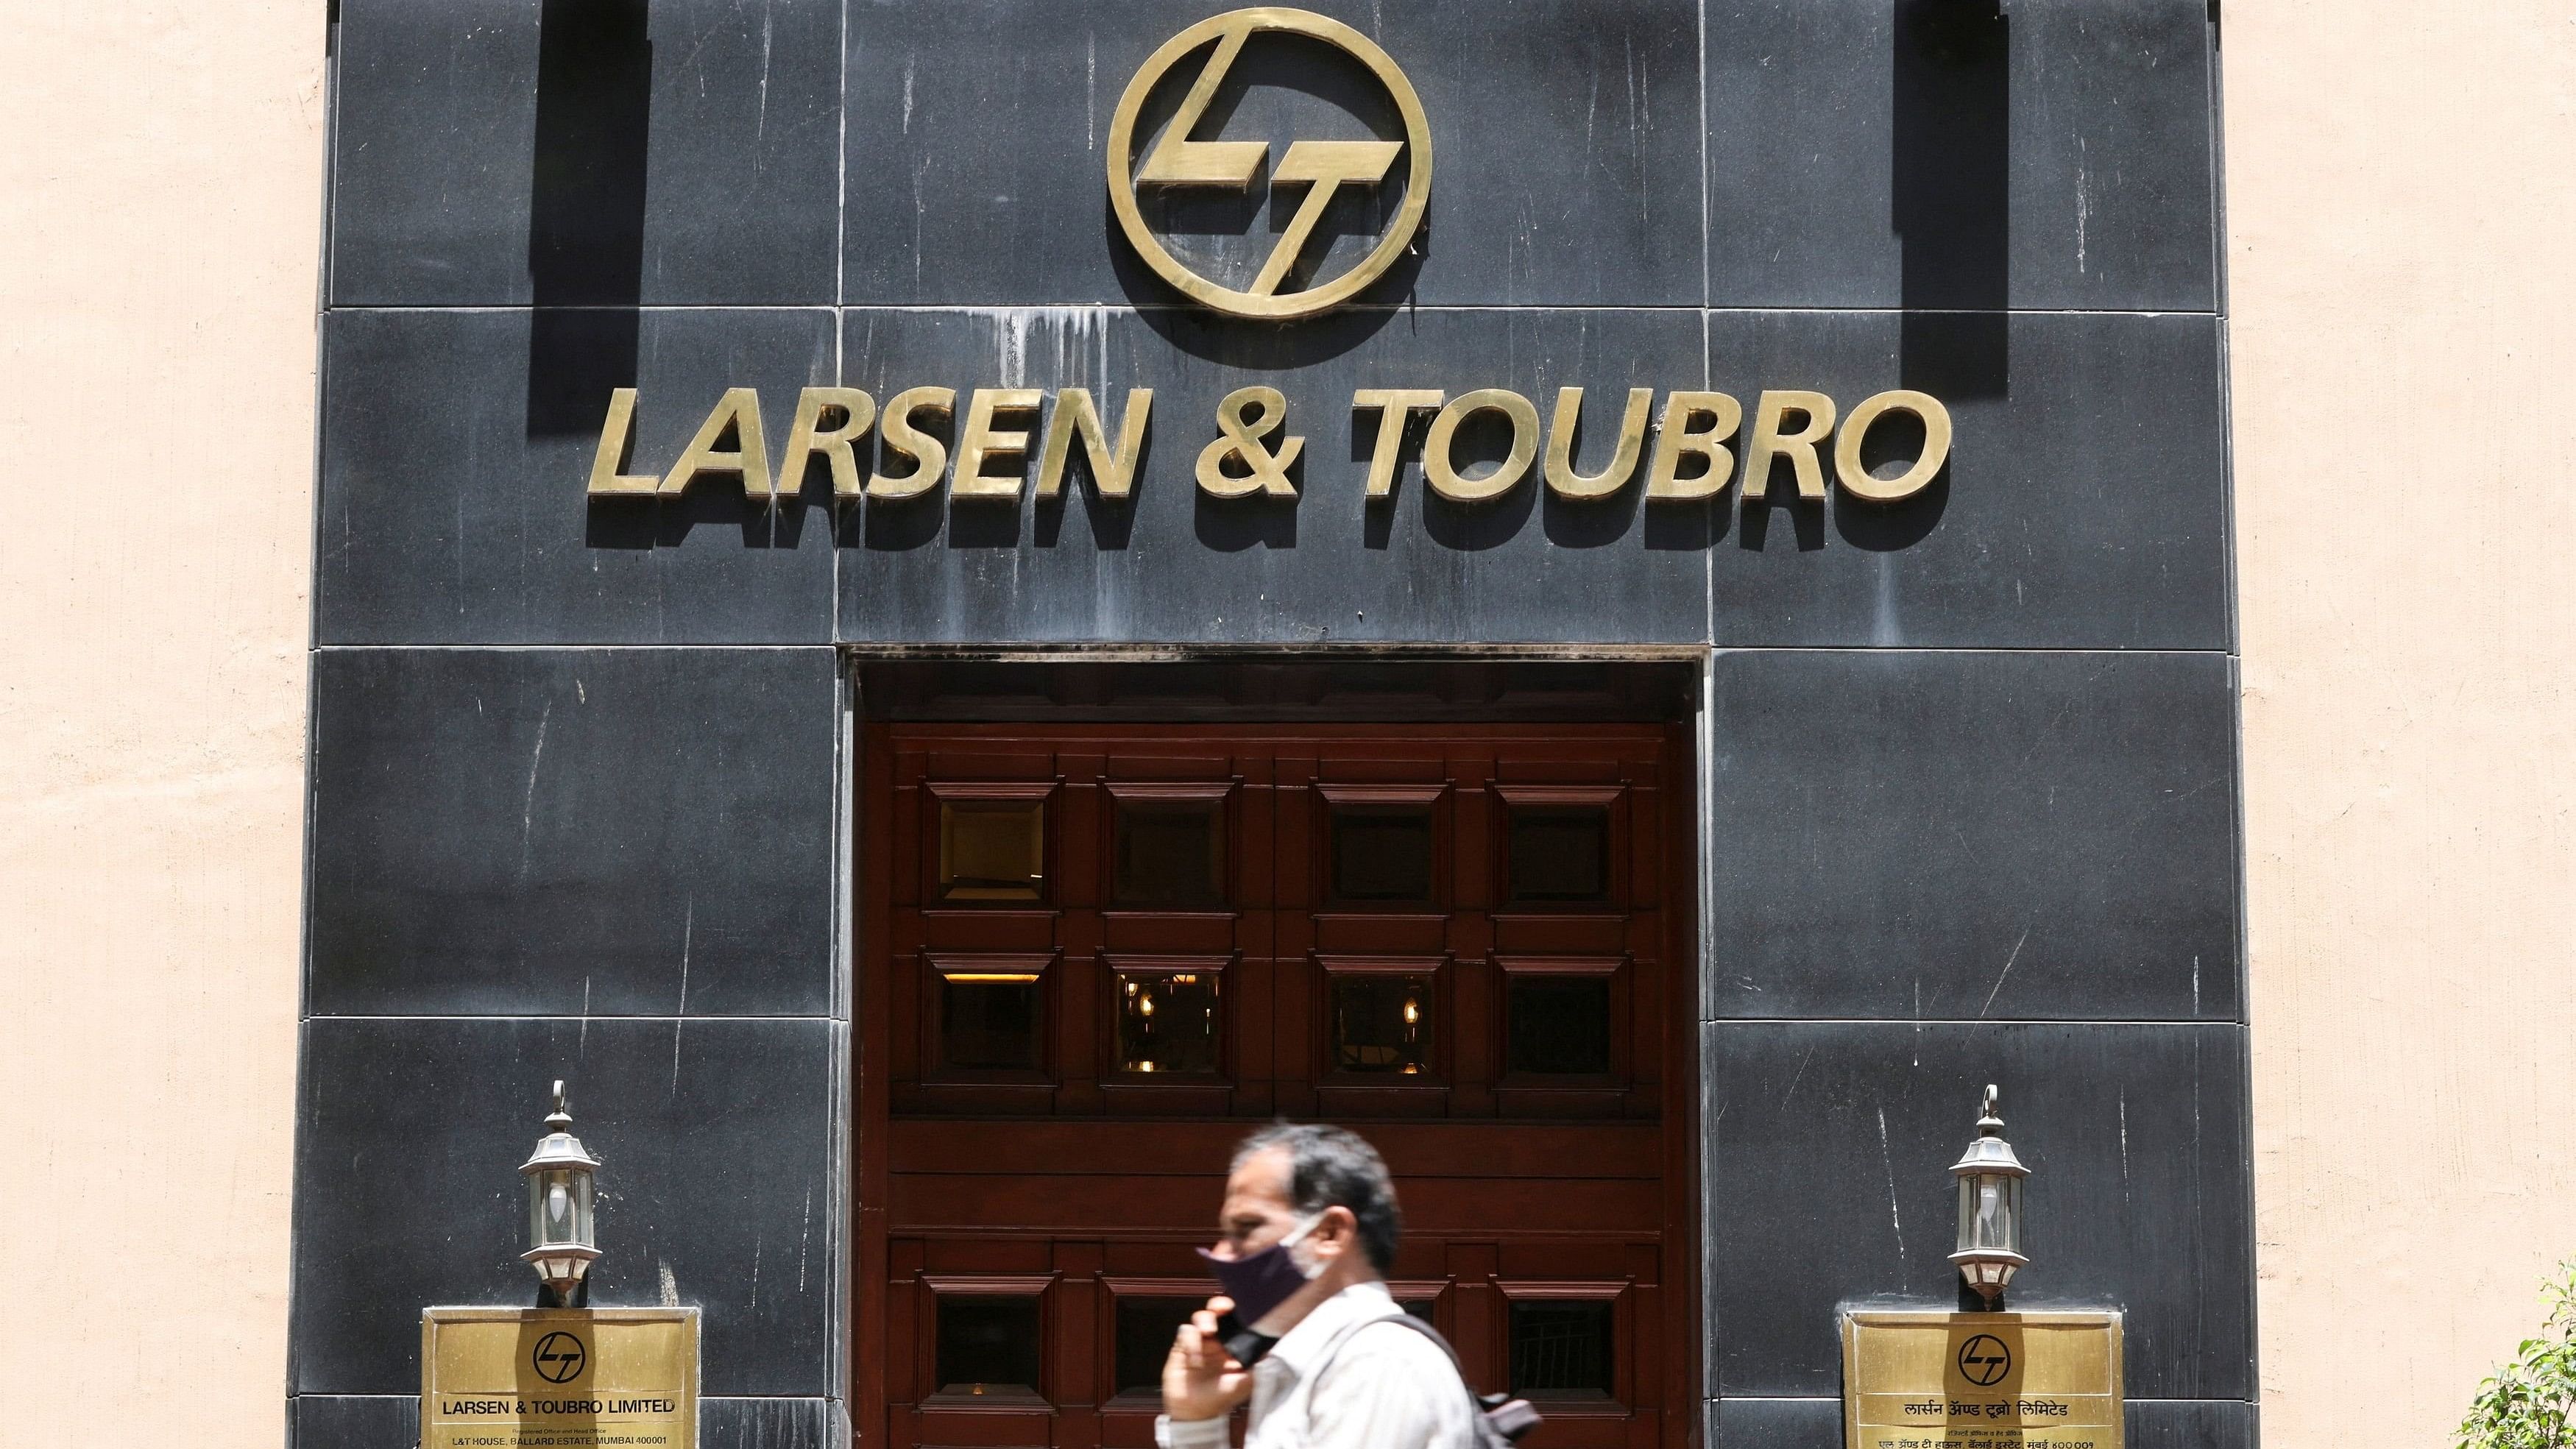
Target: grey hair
(1335,1167)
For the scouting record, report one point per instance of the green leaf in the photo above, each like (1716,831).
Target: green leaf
(2530,1403)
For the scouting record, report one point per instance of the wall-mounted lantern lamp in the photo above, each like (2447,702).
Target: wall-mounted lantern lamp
(561,1240)
(1989,1207)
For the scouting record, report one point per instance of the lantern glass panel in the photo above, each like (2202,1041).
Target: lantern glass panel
(559,1207)
(1989,1212)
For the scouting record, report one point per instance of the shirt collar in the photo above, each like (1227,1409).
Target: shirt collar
(1298,1347)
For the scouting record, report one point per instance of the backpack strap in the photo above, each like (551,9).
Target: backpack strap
(1429,1332)
(1503,1418)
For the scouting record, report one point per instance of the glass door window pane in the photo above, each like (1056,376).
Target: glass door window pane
(1167,1021)
(1382,1024)
(1170,853)
(1559,1025)
(989,1022)
(988,1344)
(1560,854)
(1562,1350)
(992,850)
(1382,853)
(1146,1328)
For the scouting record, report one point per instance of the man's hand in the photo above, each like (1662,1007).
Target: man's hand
(1200,1379)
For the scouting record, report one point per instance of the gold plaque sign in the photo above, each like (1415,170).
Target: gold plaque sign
(559,1378)
(1321,167)
(1981,1380)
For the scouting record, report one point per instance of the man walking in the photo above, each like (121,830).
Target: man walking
(1307,1232)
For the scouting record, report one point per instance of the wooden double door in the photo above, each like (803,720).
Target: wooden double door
(1094,958)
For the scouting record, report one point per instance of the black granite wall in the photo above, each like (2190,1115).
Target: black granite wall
(577,805)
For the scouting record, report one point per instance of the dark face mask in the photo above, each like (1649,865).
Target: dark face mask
(1259,1282)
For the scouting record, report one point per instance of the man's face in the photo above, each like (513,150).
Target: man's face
(1257,1212)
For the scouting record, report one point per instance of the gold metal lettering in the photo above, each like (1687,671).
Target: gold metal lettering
(1321,166)
(929,454)
(1396,406)
(1248,415)
(1857,480)
(807,436)
(1113,474)
(979,441)
(1769,442)
(616,434)
(1180,161)
(738,411)
(1442,470)
(1561,476)
(1677,439)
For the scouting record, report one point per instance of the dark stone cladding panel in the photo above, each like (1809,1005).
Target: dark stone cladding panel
(2084,505)
(2190,1424)
(1565,137)
(718,1185)
(354,1421)
(1327,567)
(496,152)
(1818,1424)
(1961,153)
(1775,1424)
(611,831)
(1909,834)
(1828,1146)
(330,1421)
(775,1424)
(451,515)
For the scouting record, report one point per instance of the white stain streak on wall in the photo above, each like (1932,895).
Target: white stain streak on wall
(2404,331)
(163,182)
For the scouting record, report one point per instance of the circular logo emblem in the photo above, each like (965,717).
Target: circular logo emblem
(1322,167)
(558,1358)
(1984,1360)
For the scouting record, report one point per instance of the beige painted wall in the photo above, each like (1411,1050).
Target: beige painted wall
(2405,317)
(162,184)
(2403,224)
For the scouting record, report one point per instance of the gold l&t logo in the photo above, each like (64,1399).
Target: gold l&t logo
(1322,167)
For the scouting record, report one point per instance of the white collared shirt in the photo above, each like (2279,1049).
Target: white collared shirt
(1346,1377)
